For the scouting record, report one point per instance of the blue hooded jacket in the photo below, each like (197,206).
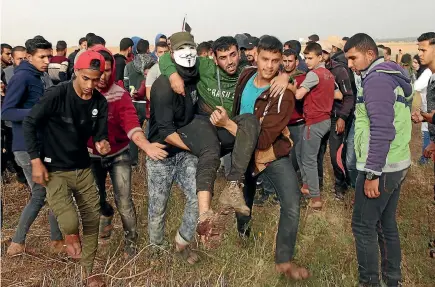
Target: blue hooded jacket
(156,40)
(135,40)
(23,92)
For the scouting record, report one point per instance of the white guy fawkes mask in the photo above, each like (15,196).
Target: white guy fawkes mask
(185,56)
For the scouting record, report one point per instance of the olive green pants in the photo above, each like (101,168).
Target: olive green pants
(61,188)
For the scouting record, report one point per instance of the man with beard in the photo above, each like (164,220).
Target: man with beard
(123,126)
(6,55)
(18,55)
(382,135)
(121,58)
(296,46)
(65,118)
(216,87)
(170,113)
(251,50)
(270,159)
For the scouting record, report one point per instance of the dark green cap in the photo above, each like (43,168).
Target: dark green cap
(181,38)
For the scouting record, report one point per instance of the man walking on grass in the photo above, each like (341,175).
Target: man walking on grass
(65,118)
(382,136)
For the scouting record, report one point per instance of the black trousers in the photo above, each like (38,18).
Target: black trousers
(209,143)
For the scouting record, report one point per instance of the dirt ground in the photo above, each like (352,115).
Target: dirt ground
(325,243)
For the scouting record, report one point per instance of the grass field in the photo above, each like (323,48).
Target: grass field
(325,244)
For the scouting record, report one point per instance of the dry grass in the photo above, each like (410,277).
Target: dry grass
(325,244)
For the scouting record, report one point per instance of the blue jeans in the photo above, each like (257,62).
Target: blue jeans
(283,179)
(35,204)
(119,169)
(351,155)
(425,136)
(374,227)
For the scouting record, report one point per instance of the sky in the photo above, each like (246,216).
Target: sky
(285,19)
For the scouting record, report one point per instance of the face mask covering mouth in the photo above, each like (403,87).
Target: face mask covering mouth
(186,56)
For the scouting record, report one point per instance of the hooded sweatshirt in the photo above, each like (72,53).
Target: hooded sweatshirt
(134,71)
(156,40)
(23,92)
(122,120)
(383,119)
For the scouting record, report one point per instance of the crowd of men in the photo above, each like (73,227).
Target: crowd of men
(269,108)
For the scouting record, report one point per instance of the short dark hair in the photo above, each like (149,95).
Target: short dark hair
(89,35)
(95,65)
(429,36)
(269,44)
(295,45)
(39,37)
(290,52)
(143,46)
(387,50)
(5,46)
(313,47)
(224,44)
(406,59)
(125,44)
(61,46)
(162,36)
(96,40)
(204,46)
(314,38)
(345,38)
(32,45)
(107,57)
(380,46)
(82,40)
(162,44)
(18,49)
(361,42)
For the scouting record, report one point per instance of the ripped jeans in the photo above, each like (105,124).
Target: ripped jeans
(119,169)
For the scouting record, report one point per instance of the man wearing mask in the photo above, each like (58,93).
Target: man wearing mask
(170,113)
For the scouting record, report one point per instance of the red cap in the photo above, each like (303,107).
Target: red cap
(85,58)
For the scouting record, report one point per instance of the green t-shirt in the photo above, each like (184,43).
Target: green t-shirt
(208,83)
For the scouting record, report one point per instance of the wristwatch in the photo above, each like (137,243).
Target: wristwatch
(371,176)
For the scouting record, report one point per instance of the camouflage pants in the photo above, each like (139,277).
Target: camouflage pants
(181,169)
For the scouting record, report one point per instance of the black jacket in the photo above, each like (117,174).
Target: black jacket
(65,122)
(120,63)
(342,108)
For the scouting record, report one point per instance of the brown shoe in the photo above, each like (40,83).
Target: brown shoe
(232,195)
(292,271)
(316,203)
(73,246)
(57,246)
(15,249)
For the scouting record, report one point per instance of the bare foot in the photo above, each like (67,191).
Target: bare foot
(73,246)
(186,253)
(15,249)
(304,189)
(57,246)
(292,271)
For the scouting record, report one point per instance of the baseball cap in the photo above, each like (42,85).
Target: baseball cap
(84,60)
(241,40)
(181,38)
(326,46)
(251,43)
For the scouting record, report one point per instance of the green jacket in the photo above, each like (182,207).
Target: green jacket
(208,83)
(383,119)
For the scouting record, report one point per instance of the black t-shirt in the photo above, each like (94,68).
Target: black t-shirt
(65,123)
(170,111)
